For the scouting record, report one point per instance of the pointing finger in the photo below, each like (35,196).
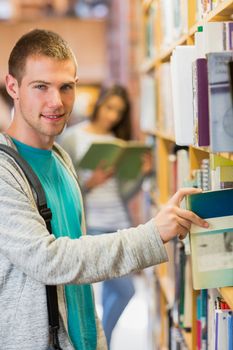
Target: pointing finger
(192,217)
(181,193)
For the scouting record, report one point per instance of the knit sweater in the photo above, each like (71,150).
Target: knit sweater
(30,258)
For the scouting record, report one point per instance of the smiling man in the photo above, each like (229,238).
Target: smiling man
(41,81)
(43,89)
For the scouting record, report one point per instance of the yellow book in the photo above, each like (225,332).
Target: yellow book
(124,156)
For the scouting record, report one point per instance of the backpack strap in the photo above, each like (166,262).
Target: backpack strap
(45,212)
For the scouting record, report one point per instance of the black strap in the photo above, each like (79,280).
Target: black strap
(46,213)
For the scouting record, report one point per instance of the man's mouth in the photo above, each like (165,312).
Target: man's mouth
(52,116)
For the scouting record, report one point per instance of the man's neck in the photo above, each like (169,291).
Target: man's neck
(22,136)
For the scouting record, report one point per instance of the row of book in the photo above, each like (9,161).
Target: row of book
(214,322)
(155,102)
(203,7)
(150,33)
(215,172)
(174,20)
(190,96)
(211,249)
(214,318)
(201,89)
(173,16)
(204,259)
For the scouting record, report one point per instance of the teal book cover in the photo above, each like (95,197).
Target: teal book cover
(212,248)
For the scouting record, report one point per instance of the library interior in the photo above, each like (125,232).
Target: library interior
(170,62)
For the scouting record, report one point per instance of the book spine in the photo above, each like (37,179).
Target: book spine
(202,103)
(230,330)
(220,102)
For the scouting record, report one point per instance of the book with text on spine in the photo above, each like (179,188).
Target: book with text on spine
(212,248)
(220,102)
(200,103)
(124,156)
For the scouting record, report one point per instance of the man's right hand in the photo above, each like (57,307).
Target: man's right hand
(174,221)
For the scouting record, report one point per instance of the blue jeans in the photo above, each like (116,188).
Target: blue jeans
(116,294)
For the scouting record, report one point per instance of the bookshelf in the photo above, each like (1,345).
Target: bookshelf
(164,42)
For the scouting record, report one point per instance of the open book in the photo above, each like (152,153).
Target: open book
(212,247)
(124,156)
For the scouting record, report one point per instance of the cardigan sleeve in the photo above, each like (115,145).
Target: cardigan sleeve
(26,243)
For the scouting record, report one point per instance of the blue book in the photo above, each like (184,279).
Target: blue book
(204,325)
(212,248)
(207,204)
(230,330)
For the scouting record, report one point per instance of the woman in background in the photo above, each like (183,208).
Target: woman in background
(105,197)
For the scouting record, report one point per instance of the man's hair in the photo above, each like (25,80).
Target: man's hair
(35,43)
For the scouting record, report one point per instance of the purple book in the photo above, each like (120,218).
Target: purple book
(202,102)
(228,35)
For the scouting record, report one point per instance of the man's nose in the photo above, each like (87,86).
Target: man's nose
(54,99)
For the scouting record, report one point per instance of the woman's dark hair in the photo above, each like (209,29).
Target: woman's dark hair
(123,128)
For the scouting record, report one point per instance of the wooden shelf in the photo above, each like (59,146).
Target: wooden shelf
(227,294)
(165,146)
(166,284)
(148,65)
(188,338)
(164,136)
(222,12)
(201,149)
(226,155)
(165,54)
(146,5)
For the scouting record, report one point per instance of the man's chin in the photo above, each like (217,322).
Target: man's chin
(61,130)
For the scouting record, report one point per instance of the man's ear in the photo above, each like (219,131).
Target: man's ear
(12,86)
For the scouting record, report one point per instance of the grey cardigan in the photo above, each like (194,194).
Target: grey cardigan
(30,258)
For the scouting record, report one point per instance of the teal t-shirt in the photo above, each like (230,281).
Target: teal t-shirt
(63,199)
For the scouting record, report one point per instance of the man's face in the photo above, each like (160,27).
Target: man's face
(44,100)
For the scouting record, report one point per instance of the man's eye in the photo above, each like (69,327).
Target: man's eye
(40,87)
(67,87)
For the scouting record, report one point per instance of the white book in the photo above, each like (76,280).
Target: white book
(199,44)
(212,295)
(181,71)
(183,167)
(221,329)
(167,22)
(165,92)
(147,103)
(213,36)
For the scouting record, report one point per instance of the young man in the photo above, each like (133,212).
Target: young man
(41,80)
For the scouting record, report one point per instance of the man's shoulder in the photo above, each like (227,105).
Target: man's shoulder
(6,140)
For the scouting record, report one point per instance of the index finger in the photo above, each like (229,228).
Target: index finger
(192,217)
(181,193)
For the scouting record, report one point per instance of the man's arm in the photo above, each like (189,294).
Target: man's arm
(25,241)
